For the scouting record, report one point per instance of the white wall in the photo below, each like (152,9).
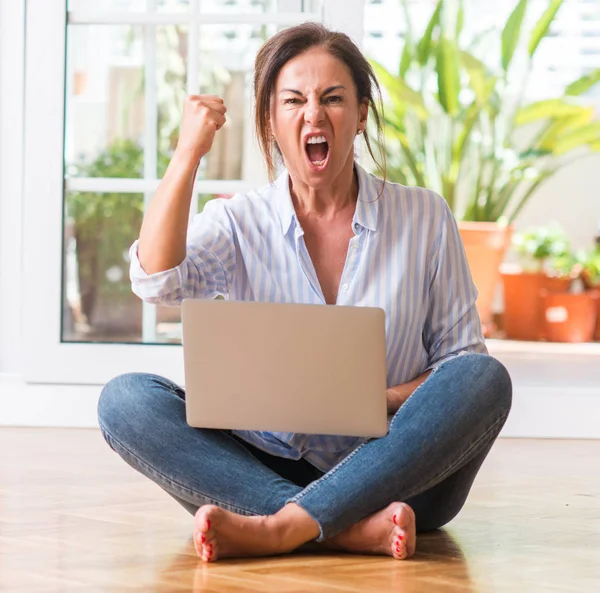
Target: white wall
(571,198)
(11,148)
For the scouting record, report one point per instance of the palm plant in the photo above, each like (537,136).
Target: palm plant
(458,122)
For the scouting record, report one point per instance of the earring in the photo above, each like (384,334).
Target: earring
(359,132)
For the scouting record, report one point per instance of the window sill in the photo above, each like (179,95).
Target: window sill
(511,347)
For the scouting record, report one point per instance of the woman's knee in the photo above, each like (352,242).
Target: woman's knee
(499,381)
(492,378)
(119,398)
(124,402)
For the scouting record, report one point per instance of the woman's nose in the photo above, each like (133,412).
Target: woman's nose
(313,113)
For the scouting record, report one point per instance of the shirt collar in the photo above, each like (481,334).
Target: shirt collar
(367,205)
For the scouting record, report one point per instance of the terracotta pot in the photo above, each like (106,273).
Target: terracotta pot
(569,317)
(485,245)
(523,315)
(596,293)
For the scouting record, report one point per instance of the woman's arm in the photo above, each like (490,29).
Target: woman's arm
(162,242)
(452,323)
(398,394)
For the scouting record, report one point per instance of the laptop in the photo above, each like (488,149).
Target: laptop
(283,367)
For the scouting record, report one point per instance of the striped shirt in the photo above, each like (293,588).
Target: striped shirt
(406,257)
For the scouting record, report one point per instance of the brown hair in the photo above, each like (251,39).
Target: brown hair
(288,44)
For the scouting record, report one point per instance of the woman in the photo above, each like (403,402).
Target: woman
(325,232)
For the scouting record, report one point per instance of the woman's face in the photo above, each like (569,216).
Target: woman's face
(315,116)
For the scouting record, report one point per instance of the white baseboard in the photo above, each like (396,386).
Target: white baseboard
(28,404)
(547,412)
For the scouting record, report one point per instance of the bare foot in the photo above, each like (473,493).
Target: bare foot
(390,532)
(221,534)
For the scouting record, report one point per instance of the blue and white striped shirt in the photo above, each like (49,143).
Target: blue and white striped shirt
(406,257)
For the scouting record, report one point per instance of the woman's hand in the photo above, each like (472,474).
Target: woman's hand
(398,394)
(203,115)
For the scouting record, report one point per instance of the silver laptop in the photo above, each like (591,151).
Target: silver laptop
(315,369)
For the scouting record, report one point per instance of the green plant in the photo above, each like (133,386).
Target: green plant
(590,267)
(457,120)
(545,249)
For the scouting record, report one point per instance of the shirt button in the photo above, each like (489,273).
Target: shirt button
(355,246)
(346,286)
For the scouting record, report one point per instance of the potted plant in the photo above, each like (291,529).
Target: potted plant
(590,275)
(457,121)
(545,261)
(569,316)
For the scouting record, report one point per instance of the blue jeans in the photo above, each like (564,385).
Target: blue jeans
(435,446)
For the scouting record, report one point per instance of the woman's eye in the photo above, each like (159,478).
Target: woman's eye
(290,101)
(333,99)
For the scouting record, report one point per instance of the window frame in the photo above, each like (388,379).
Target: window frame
(46,358)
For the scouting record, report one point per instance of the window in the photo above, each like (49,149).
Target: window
(113,81)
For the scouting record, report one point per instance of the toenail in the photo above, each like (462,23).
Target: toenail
(394,519)
(400,537)
(203,539)
(208,524)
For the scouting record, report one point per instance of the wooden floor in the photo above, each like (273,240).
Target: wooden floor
(74,517)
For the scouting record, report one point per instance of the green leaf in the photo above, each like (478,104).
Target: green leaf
(481,80)
(460,18)
(406,58)
(424,45)
(581,85)
(403,96)
(541,27)
(586,135)
(512,32)
(548,108)
(448,75)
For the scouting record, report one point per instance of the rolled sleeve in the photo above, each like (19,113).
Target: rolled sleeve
(205,272)
(453,326)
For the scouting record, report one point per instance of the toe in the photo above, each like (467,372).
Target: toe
(204,533)
(208,553)
(399,544)
(404,532)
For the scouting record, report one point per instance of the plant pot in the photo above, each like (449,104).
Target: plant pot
(523,315)
(596,293)
(569,317)
(485,244)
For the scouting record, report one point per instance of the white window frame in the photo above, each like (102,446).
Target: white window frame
(46,358)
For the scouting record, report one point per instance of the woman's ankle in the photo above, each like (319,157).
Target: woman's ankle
(293,526)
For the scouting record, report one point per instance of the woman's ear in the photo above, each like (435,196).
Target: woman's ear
(363,113)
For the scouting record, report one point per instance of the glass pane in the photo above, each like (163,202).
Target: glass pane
(171,74)
(168,325)
(98,304)
(105,89)
(128,5)
(259,6)
(104,98)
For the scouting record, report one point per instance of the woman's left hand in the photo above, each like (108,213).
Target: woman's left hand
(398,394)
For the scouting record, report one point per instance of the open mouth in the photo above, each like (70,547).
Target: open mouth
(317,151)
